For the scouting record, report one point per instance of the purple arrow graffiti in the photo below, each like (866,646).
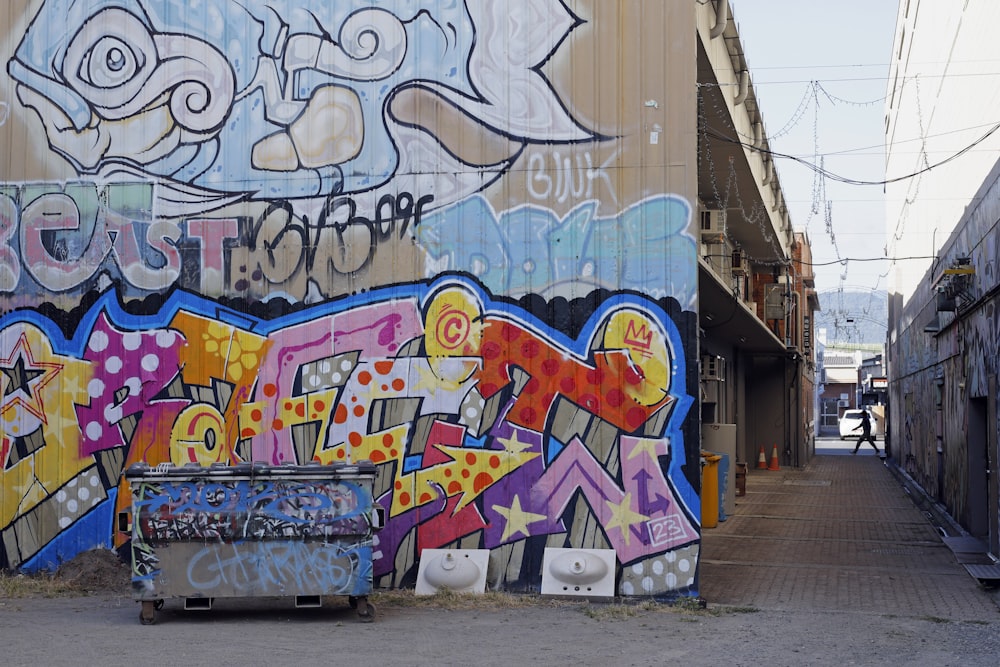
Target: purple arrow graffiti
(647,505)
(575,468)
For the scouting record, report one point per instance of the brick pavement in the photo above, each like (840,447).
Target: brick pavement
(839,534)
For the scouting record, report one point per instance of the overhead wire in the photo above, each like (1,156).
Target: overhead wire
(867,259)
(817,165)
(853,181)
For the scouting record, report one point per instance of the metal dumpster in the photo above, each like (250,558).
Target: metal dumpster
(252,530)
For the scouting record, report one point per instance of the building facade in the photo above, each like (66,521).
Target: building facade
(756,285)
(465,241)
(943,206)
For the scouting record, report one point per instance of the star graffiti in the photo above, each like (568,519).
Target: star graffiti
(518,520)
(24,377)
(623,517)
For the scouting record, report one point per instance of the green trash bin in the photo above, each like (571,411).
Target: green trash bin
(710,489)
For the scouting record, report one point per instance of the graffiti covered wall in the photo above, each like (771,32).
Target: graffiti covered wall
(944,372)
(448,237)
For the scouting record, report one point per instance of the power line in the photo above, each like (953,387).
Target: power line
(922,63)
(851,181)
(897,144)
(845,288)
(880,79)
(844,66)
(846,260)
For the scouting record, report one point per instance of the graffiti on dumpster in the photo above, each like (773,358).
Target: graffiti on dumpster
(481,422)
(249,537)
(253,567)
(276,566)
(236,510)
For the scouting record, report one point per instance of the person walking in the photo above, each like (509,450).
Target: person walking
(866,432)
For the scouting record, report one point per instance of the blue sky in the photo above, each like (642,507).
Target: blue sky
(836,53)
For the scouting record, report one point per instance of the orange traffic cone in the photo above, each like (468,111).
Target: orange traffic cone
(761,460)
(774,459)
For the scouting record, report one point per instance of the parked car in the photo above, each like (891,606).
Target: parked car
(852,420)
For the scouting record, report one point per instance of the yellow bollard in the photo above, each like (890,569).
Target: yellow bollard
(710,489)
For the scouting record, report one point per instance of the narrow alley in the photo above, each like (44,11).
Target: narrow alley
(840,534)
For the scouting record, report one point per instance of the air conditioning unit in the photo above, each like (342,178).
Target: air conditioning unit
(739,267)
(713,225)
(713,367)
(710,392)
(774,302)
(718,256)
(843,404)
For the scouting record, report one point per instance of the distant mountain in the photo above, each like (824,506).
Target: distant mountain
(852,317)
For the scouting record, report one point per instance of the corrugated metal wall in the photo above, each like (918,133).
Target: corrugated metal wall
(447,237)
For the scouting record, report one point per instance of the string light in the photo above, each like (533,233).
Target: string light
(798,113)
(821,174)
(757,215)
(835,99)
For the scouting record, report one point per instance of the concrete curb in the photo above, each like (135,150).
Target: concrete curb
(935,511)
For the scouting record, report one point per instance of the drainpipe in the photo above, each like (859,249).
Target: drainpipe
(788,306)
(741,96)
(721,19)
(793,411)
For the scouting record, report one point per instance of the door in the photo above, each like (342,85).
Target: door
(993,448)
(979,466)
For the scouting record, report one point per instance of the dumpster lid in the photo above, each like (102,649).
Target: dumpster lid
(256,469)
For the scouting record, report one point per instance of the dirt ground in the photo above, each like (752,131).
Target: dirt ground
(93,620)
(98,571)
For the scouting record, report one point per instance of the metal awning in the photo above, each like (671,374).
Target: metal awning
(727,319)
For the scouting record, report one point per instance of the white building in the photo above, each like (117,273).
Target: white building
(943,203)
